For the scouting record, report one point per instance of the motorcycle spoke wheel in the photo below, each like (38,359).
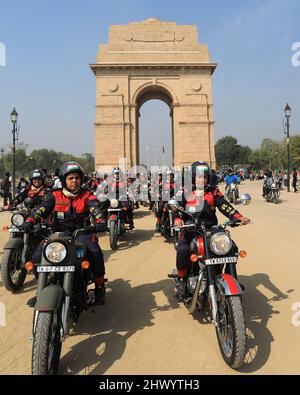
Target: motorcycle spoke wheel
(231,330)
(13,276)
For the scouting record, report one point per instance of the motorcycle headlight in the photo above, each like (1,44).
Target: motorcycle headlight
(17,220)
(114,203)
(55,252)
(273,185)
(232,186)
(220,243)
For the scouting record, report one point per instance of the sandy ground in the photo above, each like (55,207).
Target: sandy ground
(142,329)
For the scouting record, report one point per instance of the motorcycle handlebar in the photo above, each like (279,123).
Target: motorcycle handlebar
(179,228)
(87,229)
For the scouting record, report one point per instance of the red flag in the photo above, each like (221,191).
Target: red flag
(163,150)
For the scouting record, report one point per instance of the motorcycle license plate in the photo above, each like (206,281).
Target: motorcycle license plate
(220,261)
(55,269)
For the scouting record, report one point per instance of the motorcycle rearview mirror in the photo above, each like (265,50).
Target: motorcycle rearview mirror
(246,199)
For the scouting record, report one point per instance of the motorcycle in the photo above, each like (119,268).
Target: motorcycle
(273,191)
(116,221)
(213,280)
(232,193)
(167,229)
(19,249)
(61,298)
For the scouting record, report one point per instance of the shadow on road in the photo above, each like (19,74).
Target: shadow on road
(130,239)
(127,310)
(258,311)
(141,213)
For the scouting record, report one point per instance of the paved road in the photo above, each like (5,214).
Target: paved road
(142,330)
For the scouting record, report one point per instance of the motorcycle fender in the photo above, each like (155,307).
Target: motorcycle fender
(113,217)
(228,285)
(14,243)
(50,298)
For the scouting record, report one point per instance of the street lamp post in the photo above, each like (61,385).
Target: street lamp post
(14,119)
(287,113)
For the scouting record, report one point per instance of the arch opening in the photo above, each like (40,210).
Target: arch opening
(154,137)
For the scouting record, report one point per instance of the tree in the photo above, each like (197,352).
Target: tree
(243,154)
(295,151)
(272,153)
(226,150)
(20,159)
(88,162)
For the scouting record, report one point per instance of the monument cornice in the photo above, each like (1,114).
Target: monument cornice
(153,65)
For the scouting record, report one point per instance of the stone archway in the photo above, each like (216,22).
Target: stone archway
(150,92)
(153,60)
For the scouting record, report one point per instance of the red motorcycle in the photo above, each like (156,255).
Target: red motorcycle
(213,281)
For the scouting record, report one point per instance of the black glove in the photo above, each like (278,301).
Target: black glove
(100,227)
(27,227)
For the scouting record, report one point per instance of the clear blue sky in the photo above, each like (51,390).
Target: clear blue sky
(50,43)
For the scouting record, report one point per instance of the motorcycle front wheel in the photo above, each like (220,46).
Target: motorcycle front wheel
(234,198)
(46,346)
(231,330)
(13,276)
(113,236)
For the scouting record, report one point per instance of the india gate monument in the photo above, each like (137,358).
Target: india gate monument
(148,60)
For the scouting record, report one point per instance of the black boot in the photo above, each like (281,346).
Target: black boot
(131,225)
(181,293)
(100,295)
(32,301)
(158,227)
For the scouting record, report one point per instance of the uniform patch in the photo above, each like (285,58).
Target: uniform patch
(63,203)
(60,215)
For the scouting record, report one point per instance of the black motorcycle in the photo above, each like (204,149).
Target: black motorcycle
(19,249)
(64,276)
(117,220)
(273,190)
(213,281)
(232,193)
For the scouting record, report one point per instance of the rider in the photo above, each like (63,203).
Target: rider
(37,190)
(212,198)
(117,186)
(267,181)
(70,207)
(95,181)
(164,189)
(229,179)
(57,183)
